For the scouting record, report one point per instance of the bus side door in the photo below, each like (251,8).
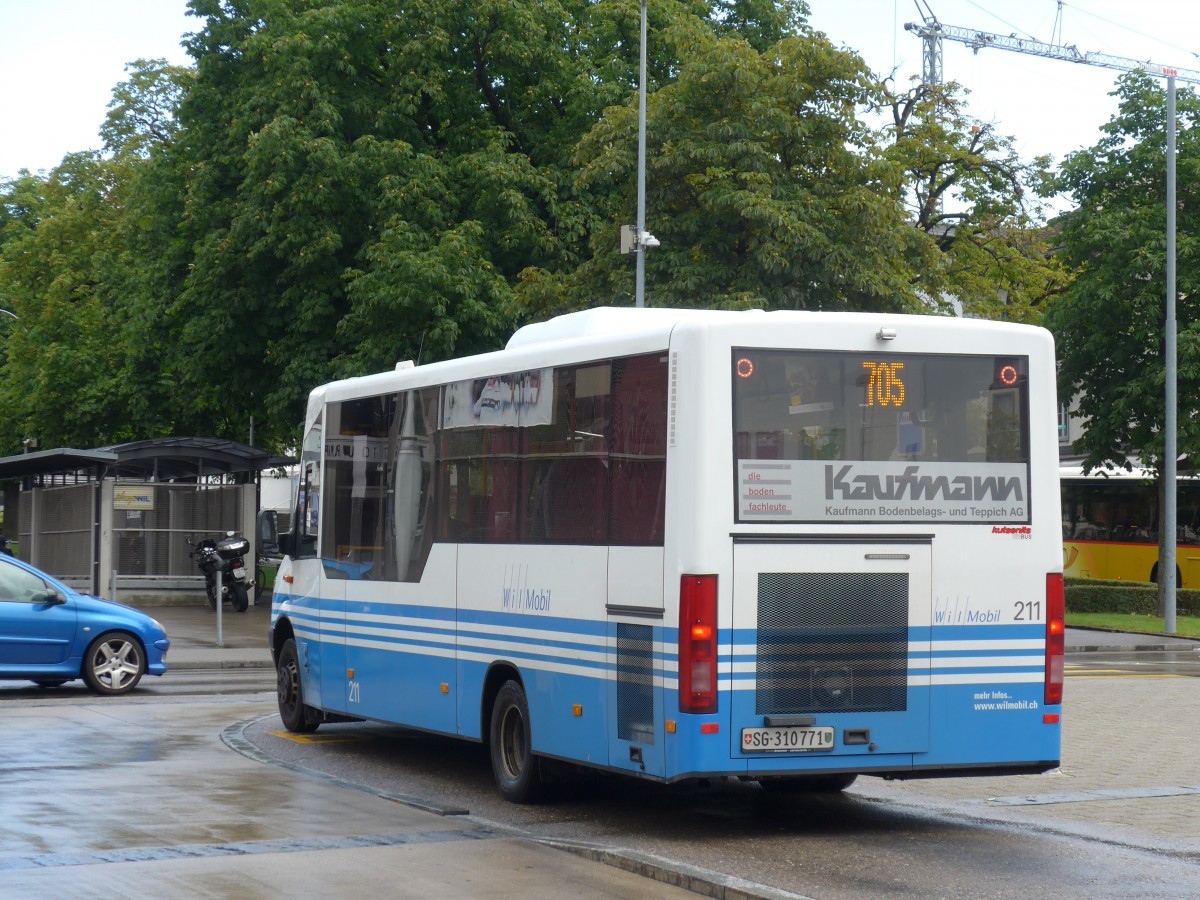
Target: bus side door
(635,657)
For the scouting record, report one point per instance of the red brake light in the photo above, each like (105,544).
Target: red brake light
(698,644)
(1055,638)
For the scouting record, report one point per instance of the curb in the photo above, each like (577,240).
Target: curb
(1131,648)
(181,665)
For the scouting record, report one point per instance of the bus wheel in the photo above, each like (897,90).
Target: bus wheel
(1154,576)
(809,784)
(290,693)
(517,771)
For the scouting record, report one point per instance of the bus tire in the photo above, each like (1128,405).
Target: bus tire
(516,770)
(809,784)
(290,692)
(1154,576)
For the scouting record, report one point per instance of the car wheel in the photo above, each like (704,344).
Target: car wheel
(516,769)
(114,663)
(809,784)
(240,597)
(291,693)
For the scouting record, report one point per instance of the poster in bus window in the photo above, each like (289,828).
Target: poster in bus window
(518,399)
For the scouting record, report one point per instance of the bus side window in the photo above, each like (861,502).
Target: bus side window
(638,450)
(413,485)
(563,465)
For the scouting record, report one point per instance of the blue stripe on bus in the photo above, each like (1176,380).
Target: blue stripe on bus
(983,632)
(444,632)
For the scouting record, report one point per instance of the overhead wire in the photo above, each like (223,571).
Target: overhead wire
(1062,4)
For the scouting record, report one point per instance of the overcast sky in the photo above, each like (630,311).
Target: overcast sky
(60,59)
(59,62)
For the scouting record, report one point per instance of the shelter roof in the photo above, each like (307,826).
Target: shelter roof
(160,459)
(51,462)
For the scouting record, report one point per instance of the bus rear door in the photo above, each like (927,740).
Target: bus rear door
(828,624)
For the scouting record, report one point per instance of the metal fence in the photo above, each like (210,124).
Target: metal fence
(148,526)
(151,529)
(63,519)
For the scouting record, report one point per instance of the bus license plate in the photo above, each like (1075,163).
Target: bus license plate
(789,740)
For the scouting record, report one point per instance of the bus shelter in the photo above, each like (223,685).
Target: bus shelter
(117,521)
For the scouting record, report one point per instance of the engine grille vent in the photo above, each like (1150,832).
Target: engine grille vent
(832,642)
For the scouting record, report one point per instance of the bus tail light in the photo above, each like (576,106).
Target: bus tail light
(1055,638)
(698,644)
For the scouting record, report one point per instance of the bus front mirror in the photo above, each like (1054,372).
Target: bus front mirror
(268,531)
(287,544)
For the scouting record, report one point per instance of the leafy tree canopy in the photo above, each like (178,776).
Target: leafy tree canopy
(338,184)
(969,192)
(1109,324)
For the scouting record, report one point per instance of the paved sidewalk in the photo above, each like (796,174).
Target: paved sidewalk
(193,632)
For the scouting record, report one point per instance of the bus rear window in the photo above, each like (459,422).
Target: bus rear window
(918,437)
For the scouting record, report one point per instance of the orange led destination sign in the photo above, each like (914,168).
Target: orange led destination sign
(885,387)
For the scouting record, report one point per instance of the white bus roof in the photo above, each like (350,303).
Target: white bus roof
(609,329)
(606,321)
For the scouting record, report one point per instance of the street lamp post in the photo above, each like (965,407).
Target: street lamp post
(637,239)
(1166,569)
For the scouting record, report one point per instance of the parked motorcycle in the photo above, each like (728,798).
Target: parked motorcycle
(223,564)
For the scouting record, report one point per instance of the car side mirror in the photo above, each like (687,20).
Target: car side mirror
(50,597)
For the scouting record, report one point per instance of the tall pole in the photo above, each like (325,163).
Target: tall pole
(640,283)
(1166,569)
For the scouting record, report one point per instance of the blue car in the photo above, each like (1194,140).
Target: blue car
(51,634)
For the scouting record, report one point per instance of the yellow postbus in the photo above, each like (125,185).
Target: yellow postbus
(1110,526)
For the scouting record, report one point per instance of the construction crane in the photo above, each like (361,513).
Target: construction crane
(932,32)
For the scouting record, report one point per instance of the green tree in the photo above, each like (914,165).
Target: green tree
(364,181)
(1109,324)
(82,366)
(763,186)
(62,377)
(976,200)
(141,116)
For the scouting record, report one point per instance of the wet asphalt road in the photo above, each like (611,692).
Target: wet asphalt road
(94,789)
(880,839)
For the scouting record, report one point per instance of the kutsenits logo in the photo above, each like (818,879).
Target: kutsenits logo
(842,483)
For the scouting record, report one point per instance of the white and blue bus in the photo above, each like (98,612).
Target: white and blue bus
(781,546)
